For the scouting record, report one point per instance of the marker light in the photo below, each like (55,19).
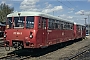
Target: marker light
(31,36)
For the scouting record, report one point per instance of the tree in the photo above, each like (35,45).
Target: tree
(4,11)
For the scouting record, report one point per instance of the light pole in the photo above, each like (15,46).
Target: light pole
(53,13)
(85,21)
(88,24)
(83,13)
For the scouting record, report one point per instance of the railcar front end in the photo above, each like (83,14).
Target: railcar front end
(21,32)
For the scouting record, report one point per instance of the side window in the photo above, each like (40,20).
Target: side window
(61,25)
(40,23)
(78,27)
(83,28)
(44,23)
(71,26)
(50,24)
(65,25)
(56,24)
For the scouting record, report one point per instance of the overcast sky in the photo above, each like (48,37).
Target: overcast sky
(72,10)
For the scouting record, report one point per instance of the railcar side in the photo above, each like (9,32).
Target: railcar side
(53,31)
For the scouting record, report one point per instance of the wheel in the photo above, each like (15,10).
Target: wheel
(7,48)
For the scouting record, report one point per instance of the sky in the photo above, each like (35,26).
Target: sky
(73,10)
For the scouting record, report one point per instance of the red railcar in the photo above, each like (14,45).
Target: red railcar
(80,31)
(35,30)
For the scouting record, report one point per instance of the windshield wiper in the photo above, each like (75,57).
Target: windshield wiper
(10,21)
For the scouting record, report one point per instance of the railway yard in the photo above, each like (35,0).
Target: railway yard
(72,50)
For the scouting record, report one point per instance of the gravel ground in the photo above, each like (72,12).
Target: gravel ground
(58,54)
(85,56)
(64,53)
(3,52)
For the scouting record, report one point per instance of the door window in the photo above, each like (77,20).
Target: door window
(44,23)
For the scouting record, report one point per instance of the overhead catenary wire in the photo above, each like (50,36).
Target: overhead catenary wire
(68,6)
(63,3)
(73,5)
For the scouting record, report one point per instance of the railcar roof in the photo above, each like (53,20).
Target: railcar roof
(79,24)
(28,13)
(24,13)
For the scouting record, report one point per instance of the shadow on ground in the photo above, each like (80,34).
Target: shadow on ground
(42,51)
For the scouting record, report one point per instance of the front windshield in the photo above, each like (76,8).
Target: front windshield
(9,22)
(20,22)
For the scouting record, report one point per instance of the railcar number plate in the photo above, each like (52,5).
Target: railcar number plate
(17,33)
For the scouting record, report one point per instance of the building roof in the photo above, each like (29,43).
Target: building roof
(2,24)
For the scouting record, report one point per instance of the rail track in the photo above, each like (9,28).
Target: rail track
(1,43)
(81,52)
(26,55)
(14,57)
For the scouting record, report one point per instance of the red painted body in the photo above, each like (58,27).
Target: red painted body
(79,33)
(42,36)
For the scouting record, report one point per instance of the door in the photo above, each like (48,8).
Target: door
(44,34)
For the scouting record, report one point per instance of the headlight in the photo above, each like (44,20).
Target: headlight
(31,36)
(4,35)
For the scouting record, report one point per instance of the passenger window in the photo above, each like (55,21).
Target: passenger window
(56,25)
(62,26)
